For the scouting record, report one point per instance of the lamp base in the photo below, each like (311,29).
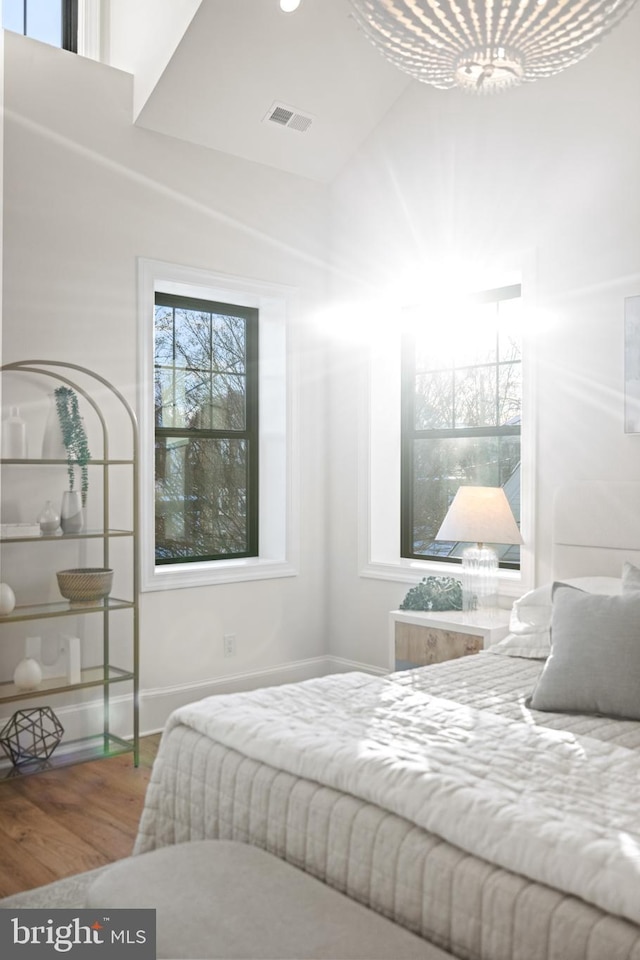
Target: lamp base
(479,578)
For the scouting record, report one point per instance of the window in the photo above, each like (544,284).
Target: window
(52,21)
(218,476)
(206,430)
(461,418)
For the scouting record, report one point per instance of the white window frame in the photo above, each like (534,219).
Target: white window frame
(278,499)
(379,465)
(90,29)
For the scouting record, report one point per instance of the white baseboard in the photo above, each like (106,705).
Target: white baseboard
(340,665)
(157,704)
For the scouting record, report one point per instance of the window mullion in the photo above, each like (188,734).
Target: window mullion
(200,433)
(506,430)
(174,398)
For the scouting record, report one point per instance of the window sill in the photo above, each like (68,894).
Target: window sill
(177,576)
(412,571)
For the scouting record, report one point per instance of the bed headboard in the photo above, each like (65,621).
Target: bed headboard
(596,528)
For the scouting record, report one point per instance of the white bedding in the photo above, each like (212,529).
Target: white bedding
(556,807)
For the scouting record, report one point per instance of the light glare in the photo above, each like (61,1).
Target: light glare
(489,44)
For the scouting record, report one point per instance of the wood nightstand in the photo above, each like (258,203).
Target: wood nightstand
(418,637)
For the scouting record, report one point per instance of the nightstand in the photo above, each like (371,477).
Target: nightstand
(419,637)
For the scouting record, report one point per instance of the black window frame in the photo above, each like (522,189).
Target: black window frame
(409,434)
(251,431)
(70,25)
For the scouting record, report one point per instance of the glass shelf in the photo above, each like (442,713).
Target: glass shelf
(62,608)
(92,462)
(59,537)
(90,677)
(71,752)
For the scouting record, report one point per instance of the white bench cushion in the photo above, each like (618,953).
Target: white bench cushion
(221,899)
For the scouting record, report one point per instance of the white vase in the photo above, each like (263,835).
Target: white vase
(14,436)
(71,512)
(28,674)
(52,443)
(74,664)
(7,599)
(48,518)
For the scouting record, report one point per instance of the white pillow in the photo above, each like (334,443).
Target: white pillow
(530,622)
(630,578)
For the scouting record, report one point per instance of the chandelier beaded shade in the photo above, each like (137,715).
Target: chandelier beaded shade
(485,45)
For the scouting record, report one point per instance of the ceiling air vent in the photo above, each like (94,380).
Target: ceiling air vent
(286,116)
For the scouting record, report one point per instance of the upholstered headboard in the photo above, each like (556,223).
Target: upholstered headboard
(596,528)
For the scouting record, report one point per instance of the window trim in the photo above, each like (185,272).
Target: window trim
(409,433)
(90,29)
(279,482)
(379,450)
(250,433)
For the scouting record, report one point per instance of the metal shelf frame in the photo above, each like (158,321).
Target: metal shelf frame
(106,744)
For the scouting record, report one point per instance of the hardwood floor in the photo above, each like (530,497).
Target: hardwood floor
(64,821)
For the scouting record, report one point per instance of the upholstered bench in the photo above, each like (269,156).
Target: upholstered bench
(221,899)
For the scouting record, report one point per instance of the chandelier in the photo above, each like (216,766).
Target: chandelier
(486,45)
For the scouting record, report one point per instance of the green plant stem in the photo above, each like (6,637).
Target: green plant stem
(74,438)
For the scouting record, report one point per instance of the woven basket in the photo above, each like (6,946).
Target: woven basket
(85,585)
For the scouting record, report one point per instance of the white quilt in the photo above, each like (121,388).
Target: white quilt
(557,808)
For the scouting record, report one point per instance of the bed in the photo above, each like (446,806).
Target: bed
(439,796)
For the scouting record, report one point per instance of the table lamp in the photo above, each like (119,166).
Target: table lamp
(481,515)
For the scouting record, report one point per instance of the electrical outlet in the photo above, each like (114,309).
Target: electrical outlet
(229,642)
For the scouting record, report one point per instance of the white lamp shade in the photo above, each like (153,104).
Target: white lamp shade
(480,515)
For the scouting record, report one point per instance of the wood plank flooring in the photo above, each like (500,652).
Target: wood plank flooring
(64,821)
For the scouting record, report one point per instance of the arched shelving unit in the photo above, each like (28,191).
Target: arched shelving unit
(113,679)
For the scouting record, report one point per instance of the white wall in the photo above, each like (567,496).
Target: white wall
(141,38)
(86,193)
(546,175)
(1,173)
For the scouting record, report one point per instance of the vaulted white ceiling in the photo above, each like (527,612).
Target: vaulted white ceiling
(239,57)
